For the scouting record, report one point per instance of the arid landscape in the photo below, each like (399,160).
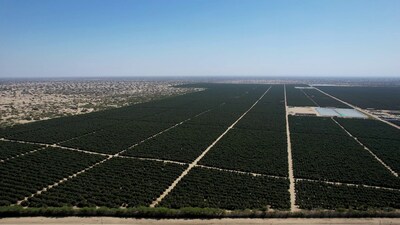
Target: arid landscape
(200,112)
(24,101)
(229,150)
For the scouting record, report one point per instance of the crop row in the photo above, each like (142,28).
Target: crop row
(314,125)
(368,97)
(296,97)
(263,121)
(184,143)
(268,114)
(380,138)
(188,141)
(367,128)
(258,142)
(116,183)
(10,149)
(168,109)
(226,190)
(323,100)
(250,150)
(24,176)
(118,137)
(386,149)
(322,150)
(316,195)
(337,158)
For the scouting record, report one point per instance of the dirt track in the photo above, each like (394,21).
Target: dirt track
(111,220)
(292,190)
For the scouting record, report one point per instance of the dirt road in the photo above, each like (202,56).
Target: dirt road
(112,220)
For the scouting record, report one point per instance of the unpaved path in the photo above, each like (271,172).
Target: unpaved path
(241,172)
(115,220)
(292,190)
(367,149)
(44,145)
(194,163)
(22,154)
(84,135)
(62,181)
(359,109)
(300,179)
(348,184)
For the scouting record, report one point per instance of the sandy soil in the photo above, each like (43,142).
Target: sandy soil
(111,220)
(302,110)
(290,162)
(23,101)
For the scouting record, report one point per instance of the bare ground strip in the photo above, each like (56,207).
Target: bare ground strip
(292,190)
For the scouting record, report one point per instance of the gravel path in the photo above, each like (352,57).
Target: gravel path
(292,190)
(115,220)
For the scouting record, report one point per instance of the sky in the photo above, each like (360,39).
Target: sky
(84,38)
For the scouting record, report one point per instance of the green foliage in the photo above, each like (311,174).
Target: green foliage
(118,182)
(314,125)
(184,143)
(337,158)
(118,137)
(263,121)
(10,149)
(24,176)
(321,151)
(366,128)
(324,100)
(296,97)
(219,189)
(250,150)
(380,138)
(386,149)
(367,97)
(316,195)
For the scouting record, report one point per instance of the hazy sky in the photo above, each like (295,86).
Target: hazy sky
(199,37)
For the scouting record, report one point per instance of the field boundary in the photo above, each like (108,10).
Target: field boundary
(84,135)
(358,108)
(21,154)
(241,172)
(194,163)
(152,159)
(337,183)
(44,145)
(62,181)
(292,188)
